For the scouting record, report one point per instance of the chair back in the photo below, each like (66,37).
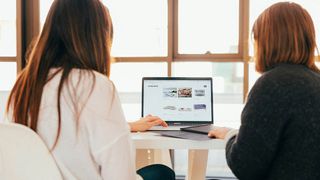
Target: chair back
(24,156)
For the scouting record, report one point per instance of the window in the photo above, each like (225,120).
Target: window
(227,78)
(201,31)
(8,39)
(253,74)
(8,44)
(44,9)
(187,38)
(8,71)
(127,78)
(140,27)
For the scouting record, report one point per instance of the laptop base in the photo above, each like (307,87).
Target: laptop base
(169,128)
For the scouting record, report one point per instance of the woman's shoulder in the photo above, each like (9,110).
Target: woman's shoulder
(287,79)
(94,83)
(85,74)
(81,85)
(94,90)
(287,73)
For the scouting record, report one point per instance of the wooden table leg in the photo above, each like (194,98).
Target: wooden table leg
(197,164)
(146,157)
(143,158)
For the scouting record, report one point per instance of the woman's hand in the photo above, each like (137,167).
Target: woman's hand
(146,123)
(219,132)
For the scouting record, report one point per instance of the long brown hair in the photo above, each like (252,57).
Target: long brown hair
(284,33)
(76,34)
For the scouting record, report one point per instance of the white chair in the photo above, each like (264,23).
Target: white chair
(24,156)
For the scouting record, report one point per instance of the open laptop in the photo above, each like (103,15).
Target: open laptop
(180,101)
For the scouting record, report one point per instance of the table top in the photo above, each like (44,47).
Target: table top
(152,140)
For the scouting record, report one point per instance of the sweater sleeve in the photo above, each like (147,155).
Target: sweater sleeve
(251,152)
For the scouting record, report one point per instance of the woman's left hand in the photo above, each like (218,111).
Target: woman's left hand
(146,123)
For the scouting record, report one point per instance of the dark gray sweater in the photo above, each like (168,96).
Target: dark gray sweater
(279,136)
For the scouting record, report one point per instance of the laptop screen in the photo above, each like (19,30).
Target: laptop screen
(178,99)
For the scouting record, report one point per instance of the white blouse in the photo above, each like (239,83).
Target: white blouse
(95,141)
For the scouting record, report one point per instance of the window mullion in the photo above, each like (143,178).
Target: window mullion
(171,36)
(27,27)
(19,15)
(244,43)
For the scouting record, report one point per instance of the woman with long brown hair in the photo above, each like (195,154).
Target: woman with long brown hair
(279,134)
(64,94)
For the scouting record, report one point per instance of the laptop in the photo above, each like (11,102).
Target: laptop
(180,101)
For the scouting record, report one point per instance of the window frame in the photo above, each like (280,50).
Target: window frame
(17,58)
(221,57)
(174,56)
(28,26)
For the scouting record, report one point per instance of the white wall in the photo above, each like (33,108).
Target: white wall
(3,102)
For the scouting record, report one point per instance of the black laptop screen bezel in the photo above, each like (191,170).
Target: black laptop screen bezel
(180,78)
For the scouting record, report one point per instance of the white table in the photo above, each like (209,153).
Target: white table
(153,148)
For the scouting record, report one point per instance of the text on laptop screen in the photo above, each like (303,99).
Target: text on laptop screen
(178,100)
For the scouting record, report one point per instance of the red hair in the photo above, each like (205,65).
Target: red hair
(284,33)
